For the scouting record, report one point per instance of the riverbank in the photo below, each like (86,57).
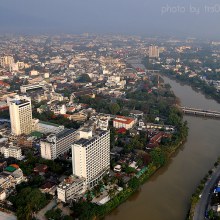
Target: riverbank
(196,84)
(167,193)
(200,198)
(99,212)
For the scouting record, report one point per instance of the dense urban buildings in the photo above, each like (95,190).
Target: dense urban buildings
(88,117)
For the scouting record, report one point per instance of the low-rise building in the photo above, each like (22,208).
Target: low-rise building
(49,187)
(41,169)
(2,194)
(71,188)
(46,127)
(12,151)
(136,114)
(123,122)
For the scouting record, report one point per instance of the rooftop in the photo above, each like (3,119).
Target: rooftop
(124,120)
(65,133)
(10,169)
(36,134)
(69,181)
(85,142)
(49,123)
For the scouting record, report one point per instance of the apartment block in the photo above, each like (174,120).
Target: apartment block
(91,155)
(57,144)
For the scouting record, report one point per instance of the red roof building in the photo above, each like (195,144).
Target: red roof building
(41,169)
(123,122)
(3,84)
(121,131)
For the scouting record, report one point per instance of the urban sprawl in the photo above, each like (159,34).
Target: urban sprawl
(85,119)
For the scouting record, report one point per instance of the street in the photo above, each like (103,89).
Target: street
(200,209)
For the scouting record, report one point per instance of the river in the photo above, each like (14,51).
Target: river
(166,196)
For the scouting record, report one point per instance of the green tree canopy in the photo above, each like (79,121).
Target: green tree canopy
(114,108)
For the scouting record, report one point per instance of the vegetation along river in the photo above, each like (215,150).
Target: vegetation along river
(166,196)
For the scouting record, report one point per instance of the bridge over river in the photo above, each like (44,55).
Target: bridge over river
(200,112)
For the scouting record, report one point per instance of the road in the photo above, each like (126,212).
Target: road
(41,213)
(200,209)
(7,216)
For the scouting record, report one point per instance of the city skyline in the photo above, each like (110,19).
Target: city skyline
(189,18)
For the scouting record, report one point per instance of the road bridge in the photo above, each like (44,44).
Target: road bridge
(200,112)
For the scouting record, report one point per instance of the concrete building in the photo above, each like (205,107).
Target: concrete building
(26,88)
(123,122)
(154,52)
(6,61)
(20,114)
(71,188)
(103,122)
(6,180)
(12,151)
(2,194)
(91,155)
(57,144)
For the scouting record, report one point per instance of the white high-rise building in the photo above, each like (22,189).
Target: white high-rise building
(91,155)
(57,144)
(20,114)
(154,52)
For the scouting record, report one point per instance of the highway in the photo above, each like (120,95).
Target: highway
(200,209)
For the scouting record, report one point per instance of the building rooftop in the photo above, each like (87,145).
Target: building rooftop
(49,123)
(124,120)
(84,142)
(19,102)
(36,134)
(10,169)
(69,181)
(65,133)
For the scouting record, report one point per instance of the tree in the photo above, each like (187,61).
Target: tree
(158,157)
(114,108)
(134,183)
(112,192)
(67,217)
(84,78)
(27,201)
(54,214)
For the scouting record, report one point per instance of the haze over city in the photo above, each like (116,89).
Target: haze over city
(197,18)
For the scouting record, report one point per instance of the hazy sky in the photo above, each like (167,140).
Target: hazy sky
(149,17)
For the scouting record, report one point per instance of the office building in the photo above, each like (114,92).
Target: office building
(20,114)
(91,155)
(57,144)
(154,52)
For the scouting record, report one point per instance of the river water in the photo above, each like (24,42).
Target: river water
(166,196)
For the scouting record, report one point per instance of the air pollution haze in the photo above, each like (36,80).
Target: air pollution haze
(143,17)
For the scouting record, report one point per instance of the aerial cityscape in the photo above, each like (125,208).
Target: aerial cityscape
(115,124)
